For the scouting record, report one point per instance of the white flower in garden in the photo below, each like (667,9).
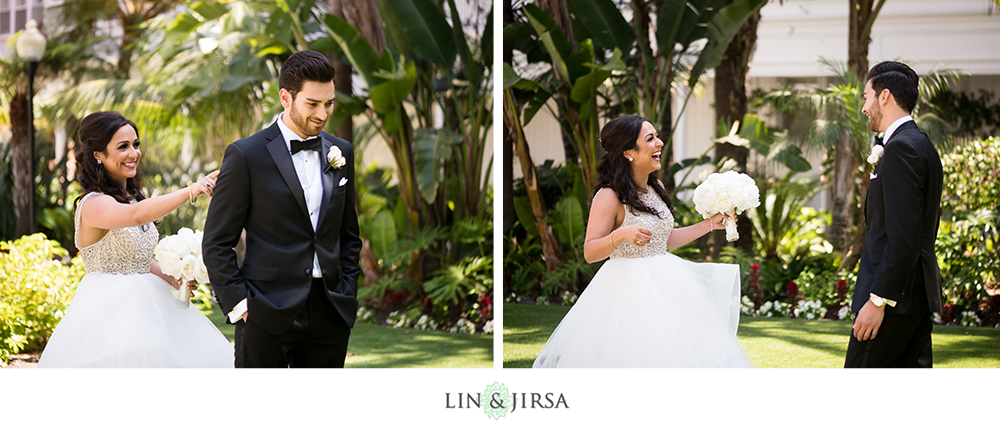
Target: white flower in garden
(810,316)
(969,318)
(877,151)
(364,314)
(488,327)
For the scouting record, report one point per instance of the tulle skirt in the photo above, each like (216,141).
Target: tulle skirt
(134,321)
(659,311)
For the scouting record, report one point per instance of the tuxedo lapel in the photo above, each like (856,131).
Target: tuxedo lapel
(283,161)
(868,194)
(877,168)
(328,173)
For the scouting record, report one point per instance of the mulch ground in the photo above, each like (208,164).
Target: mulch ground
(24,360)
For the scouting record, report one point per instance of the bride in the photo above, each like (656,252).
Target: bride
(124,313)
(645,307)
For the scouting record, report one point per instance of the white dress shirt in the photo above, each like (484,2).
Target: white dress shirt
(895,125)
(308,169)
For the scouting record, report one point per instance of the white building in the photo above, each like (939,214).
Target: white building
(926,34)
(14,14)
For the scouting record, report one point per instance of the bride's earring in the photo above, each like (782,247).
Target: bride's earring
(99,162)
(630,159)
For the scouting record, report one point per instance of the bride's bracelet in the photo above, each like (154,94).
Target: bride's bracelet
(190,193)
(611,238)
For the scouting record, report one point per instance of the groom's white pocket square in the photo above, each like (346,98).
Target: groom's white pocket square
(872,176)
(343,181)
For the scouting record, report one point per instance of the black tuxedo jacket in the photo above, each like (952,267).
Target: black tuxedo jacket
(902,211)
(258,190)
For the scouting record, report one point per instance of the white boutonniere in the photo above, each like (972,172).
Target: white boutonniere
(335,158)
(877,151)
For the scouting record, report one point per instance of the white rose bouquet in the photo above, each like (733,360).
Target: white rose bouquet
(728,193)
(180,257)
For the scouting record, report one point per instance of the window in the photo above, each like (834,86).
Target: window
(38,13)
(4,17)
(14,14)
(20,15)
(20,19)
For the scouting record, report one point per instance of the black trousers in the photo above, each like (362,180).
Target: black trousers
(317,338)
(903,341)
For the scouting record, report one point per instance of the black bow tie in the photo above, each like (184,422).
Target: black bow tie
(314,144)
(878,141)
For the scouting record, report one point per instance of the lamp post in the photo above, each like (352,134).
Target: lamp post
(31,47)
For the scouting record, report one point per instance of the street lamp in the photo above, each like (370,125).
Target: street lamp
(31,47)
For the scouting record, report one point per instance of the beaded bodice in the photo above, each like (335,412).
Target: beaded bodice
(659,225)
(127,250)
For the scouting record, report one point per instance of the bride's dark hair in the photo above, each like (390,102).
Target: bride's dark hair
(613,170)
(96,131)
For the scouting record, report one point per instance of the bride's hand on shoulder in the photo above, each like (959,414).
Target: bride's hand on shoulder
(718,221)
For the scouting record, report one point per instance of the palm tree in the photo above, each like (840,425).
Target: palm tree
(577,70)
(841,124)
(130,16)
(731,105)
(67,58)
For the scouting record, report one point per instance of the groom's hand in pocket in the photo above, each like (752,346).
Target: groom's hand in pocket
(244,316)
(868,321)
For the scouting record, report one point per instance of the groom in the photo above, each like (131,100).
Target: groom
(291,187)
(899,283)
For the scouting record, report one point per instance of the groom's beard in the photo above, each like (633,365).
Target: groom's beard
(875,118)
(303,124)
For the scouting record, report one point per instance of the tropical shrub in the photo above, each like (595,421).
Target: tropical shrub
(454,295)
(968,241)
(525,277)
(37,281)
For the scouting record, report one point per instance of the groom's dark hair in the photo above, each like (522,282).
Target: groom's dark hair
(899,79)
(305,66)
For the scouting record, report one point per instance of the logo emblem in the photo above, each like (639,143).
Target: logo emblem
(496,401)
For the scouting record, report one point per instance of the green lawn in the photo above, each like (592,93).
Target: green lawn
(374,346)
(771,342)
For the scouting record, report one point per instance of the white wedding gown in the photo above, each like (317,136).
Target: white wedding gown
(646,307)
(124,316)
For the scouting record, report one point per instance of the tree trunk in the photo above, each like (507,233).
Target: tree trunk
(508,140)
(730,106)
(560,13)
(667,130)
(20,142)
(550,248)
(570,155)
(842,194)
(343,80)
(130,34)
(861,18)
(363,15)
